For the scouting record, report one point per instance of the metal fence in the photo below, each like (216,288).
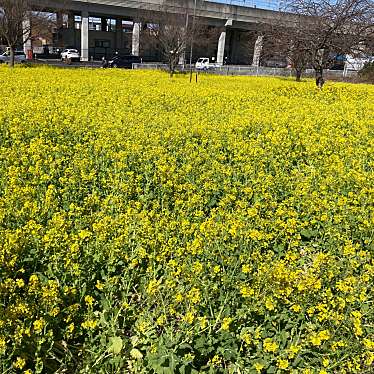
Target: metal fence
(248,70)
(252,70)
(150,66)
(334,73)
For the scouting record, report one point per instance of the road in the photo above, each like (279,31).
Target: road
(60,64)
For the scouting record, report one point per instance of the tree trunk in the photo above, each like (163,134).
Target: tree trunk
(298,75)
(11,57)
(171,68)
(319,77)
(172,64)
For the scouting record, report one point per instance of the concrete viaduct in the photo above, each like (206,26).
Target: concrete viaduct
(95,26)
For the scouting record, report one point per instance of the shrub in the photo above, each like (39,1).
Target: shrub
(366,74)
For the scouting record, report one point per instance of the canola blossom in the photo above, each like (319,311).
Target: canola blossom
(150,225)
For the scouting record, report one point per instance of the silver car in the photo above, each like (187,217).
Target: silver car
(19,56)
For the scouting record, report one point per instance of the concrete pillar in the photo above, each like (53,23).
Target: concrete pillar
(27,43)
(222,44)
(221,48)
(136,38)
(257,50)
(119,35)
(84,37)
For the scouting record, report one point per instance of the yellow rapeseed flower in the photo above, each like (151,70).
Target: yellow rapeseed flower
(19,363)
(38,325)
(283,364)
(270,345)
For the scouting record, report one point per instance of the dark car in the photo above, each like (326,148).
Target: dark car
(123,61)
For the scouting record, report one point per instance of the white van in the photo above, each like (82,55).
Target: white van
(203,63)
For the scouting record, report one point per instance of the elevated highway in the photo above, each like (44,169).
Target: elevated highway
(230,19)
(213,12)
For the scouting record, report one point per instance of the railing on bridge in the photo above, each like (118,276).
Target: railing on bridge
(261,4)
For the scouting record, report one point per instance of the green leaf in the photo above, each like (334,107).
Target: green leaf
(115,345)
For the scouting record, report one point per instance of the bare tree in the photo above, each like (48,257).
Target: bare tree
(15,27)
(168,35)
(288,41)
(19,22)
(43,24)
(325,28)
(171,31)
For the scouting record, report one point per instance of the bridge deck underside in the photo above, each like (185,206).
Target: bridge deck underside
(214,14)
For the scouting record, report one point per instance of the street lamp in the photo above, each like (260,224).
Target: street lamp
(192,38)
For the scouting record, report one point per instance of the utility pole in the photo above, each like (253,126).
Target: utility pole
(192,38)
(184,52)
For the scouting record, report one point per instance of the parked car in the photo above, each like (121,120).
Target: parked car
(203,63)
(19,57)
(124,61)
(70,55)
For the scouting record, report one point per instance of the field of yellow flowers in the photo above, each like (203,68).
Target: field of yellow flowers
(150,225)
